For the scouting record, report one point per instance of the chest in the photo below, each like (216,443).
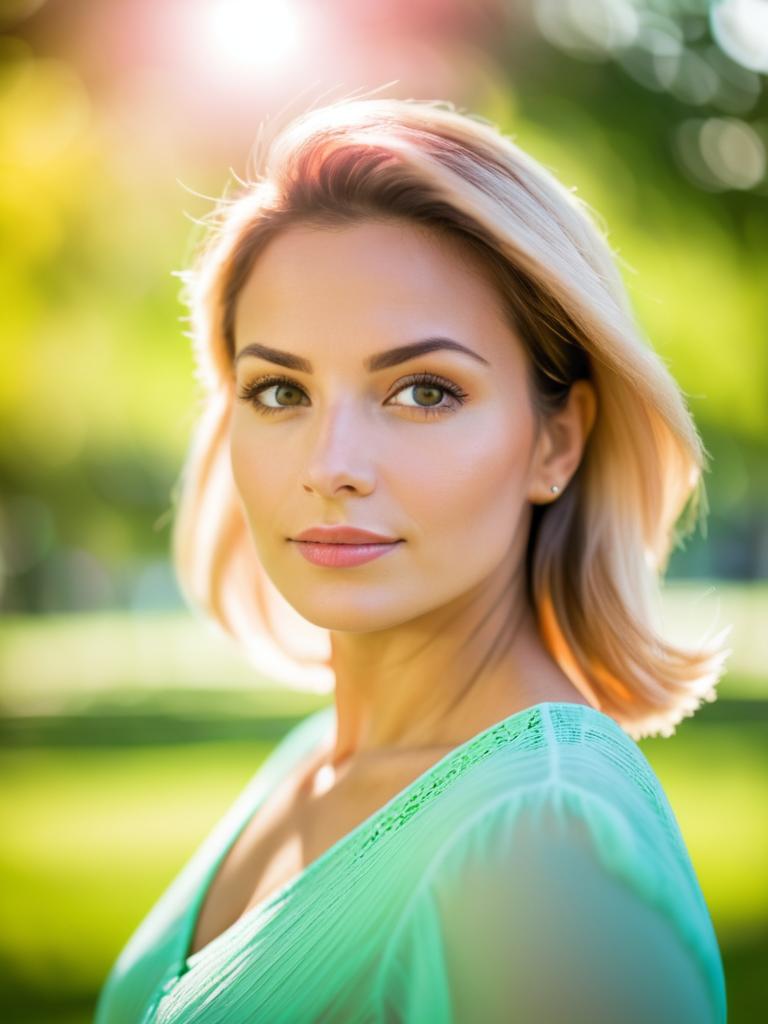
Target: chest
(291,830)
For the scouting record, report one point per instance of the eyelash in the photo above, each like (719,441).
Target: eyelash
(249,392)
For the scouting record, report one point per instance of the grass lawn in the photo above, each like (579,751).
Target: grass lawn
(94,835)
(125,740)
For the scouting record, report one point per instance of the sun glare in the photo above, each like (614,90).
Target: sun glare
(251,35)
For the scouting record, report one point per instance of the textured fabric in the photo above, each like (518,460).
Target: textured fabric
(535,873)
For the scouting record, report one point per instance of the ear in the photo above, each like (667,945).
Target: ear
(561,442)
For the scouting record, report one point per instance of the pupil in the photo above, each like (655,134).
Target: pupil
(434,390)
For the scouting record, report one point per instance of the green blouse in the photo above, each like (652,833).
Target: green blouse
(535,873)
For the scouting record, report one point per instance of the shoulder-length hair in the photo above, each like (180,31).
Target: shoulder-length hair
(596,554)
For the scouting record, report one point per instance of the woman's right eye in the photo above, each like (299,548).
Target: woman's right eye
(251,393)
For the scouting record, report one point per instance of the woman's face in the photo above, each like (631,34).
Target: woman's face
(444,466)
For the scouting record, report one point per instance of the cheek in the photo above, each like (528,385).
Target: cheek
(259,476)
(468,483)
(243,457)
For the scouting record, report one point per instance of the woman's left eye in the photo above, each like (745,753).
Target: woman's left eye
(428,384)
(431,384)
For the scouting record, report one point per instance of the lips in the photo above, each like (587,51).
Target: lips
(343,535)
(339,556)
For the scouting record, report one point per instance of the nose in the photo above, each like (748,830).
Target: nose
(340,455)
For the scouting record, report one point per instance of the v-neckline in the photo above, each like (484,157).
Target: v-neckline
(187,961)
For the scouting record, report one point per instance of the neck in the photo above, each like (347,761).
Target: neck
(438,680)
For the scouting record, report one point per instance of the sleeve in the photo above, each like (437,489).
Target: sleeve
(545,909)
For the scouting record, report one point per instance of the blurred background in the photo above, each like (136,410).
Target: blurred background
(128,727)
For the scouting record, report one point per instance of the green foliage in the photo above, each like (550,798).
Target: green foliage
(97,397)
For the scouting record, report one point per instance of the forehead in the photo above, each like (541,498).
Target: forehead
(384,278)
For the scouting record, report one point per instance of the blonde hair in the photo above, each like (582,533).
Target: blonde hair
(596,554)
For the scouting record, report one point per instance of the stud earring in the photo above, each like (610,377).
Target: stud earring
(555,489)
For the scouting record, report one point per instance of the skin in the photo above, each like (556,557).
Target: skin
(434,641)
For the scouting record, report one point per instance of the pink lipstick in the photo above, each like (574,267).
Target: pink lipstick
(342,546)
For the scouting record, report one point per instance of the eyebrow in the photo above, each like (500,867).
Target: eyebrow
(379,361)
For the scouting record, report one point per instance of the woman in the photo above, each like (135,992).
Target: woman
(407,327)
